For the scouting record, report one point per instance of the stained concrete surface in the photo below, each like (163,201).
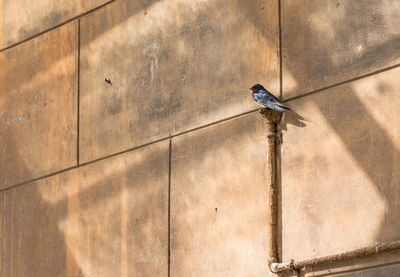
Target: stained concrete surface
(173,66)
(104,219)
(177,65)
(327,42)
(219,200)
(22,19)
(38,106)
(341,177)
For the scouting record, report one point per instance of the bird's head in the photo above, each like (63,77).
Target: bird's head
(256,87)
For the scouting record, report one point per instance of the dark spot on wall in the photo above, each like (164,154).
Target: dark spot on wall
(108,81)
(383,88)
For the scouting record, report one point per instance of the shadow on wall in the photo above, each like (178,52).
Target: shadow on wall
(182,61)
(218,196)
(187,67)
(159,22)
(39,249)
(84,232)
(293,118)
(332,60)
(57,223)
(109,218)
(96,197)
(103,219)
(132,7)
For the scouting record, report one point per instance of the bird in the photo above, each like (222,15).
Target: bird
(265,98)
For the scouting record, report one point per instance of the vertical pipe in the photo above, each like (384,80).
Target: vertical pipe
(273,137)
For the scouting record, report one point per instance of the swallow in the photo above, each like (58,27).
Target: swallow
(265,98)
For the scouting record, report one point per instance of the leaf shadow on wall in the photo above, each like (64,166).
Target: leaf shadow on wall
(27,250)
(106,219)
(366,140)
(69,224)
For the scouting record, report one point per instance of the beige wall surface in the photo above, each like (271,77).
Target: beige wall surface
(38,106)
(345,168)
(340,167)
(130,144)
(174,65)
(327,42)
(22,19)
(218,205)
(104,219)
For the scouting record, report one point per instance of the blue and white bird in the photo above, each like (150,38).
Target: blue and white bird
(265,98)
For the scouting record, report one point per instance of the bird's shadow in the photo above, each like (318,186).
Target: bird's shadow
(293,118)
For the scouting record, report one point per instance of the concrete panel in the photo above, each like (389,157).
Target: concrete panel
(327,42)
(173,65)
(219,200)
(340,172)
(104,219)
(22,19)
(38,106)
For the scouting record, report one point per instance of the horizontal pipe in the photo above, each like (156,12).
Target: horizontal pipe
(362,252)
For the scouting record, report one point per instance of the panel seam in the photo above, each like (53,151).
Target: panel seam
(198,128)
(79,92)
(343,82)
(56,26)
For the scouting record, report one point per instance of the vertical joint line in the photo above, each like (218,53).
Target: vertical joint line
(280,50)
(169,204)
(78,91)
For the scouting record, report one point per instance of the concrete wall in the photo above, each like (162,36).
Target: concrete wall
(160,171)
(340,170)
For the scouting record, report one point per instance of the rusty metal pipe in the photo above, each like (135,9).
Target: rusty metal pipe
(274,139)
(362,252)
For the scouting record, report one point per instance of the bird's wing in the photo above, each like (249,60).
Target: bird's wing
(270,102)
(275,100)
(269,95)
